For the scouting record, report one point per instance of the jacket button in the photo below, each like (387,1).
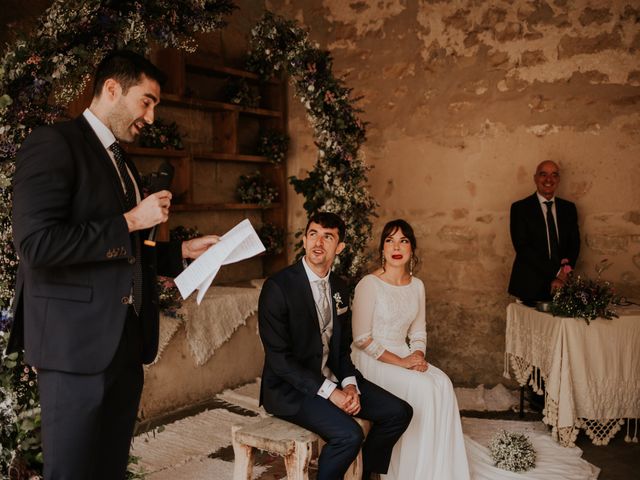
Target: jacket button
(125,300)
(131,260)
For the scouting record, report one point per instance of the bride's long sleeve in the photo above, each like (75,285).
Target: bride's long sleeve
(364,302)
(418,330)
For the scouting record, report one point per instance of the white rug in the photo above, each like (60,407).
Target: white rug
(183,450)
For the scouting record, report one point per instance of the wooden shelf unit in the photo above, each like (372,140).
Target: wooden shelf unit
(194,85)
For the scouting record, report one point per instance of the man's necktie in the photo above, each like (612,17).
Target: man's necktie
(554,245)
(324,306)
(131,202)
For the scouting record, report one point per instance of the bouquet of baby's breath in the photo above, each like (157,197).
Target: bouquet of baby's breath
(512,451)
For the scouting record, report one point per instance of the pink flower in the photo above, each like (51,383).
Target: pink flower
(564,266)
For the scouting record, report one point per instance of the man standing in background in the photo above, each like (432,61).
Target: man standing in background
(545,236)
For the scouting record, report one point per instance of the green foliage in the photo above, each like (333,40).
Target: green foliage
(582,297)
(338,181)
(255,188)
(161,135)
(272,238)
(239,92)
(274,145)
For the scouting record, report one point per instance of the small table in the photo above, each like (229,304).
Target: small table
(591,372)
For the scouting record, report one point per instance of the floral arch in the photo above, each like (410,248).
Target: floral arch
(40,75)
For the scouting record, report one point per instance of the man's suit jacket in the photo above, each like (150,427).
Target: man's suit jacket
(290,333)
(76,257)
(533,271)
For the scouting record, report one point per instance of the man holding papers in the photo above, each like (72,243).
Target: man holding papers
(86,306)
(308,377)
(239,243)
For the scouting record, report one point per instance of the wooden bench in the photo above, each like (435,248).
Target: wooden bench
(290,441)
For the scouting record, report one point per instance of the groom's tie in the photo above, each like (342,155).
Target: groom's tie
(323,305)
(324,309)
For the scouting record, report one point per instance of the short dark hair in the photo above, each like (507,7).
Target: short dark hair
(392,227)
(328,220)
(126,67)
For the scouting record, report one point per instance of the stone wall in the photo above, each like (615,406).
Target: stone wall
(464,99)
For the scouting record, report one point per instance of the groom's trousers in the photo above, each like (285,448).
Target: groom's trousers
(389,415)
(88,420)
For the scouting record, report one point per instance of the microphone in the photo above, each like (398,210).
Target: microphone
(161,180)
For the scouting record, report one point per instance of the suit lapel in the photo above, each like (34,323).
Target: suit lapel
(102,159)
(336,325)
(561,217)
(307,294)
(537,217)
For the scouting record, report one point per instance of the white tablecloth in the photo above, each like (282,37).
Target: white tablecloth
(591,372)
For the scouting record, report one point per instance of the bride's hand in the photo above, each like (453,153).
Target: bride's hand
(416,359)
(421,368)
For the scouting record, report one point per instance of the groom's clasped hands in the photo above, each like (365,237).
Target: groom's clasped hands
(347,399)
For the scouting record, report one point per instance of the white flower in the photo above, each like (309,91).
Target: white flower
(338,299)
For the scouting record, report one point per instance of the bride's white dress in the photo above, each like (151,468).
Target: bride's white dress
(433,447)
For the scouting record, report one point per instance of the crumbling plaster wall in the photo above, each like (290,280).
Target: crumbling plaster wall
(463,99)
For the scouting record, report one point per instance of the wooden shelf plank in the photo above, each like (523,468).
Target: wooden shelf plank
(155,152)
(198,103)
(204,207)
(204,67)
(229,157)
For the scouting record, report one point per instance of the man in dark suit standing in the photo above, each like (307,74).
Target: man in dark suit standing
(544,232)
(86,307)
(308,377)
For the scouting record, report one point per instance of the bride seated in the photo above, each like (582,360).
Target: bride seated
(388,309)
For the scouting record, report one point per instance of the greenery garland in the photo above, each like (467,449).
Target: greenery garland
(338,181)
(39,76)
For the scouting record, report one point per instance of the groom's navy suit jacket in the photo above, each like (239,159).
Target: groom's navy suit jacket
(533,270)
(76,257)
(290,333)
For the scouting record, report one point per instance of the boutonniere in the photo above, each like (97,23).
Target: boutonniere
(338,299)
(340,309)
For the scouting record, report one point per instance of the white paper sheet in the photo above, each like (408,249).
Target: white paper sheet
(239,243)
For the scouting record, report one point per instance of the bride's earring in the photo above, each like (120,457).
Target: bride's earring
(382,261)
(412,263)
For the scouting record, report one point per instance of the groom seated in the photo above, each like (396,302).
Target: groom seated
(308,377)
